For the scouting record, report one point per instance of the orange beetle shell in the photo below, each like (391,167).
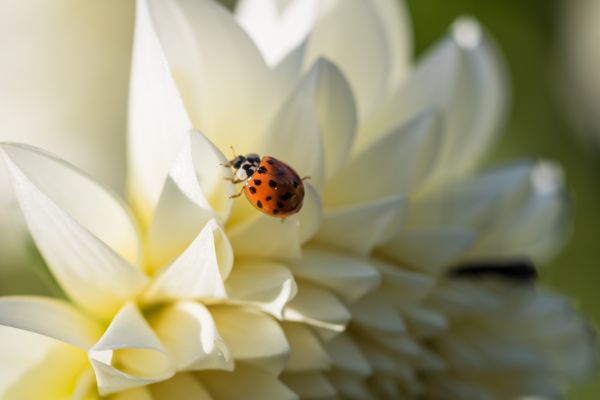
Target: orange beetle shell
(275,188)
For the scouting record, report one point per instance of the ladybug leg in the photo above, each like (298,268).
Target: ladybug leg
(233,196)
(234,180)
(305,178)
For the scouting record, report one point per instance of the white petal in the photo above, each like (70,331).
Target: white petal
(347,356)
(180,387)
(158,121)
(428,249)
(306,352)
(311,214)
(360,227)
(85,235)
(373,312)
(49,317)
(348,386)
(218,69)
(462,76)
(198,272)
(360,53)
(267,285)
(317,307)
(349,277)
(246,382)
(424,322)
(401,160)
(277,27)
(129,354)
(252,337)
(309,385)
(189,333)
(140,393)
(402,284)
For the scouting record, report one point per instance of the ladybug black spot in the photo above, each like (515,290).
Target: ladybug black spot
(257,182)
(275,211)
(271,162)
(272,183)
(252,189)
(259,204)
(262,170)
(268,198)
(280,204)
(286,196)
(295,183)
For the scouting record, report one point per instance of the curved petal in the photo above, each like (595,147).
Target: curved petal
(373,312)
(158,121)
(349,277)
(214,88)
(360,53)
(246,382)
(414,248)
(129,354)
(360,227)
(403,285)
(317,307)
(49,317)
(311,214)
(462,76)
(392,164)
(252,337)
(140,393)
(198,272)
(267,285)
(180,387)
(189,333)
(347,356)
(309,385)
(90,253)
(306,352)
(277,27)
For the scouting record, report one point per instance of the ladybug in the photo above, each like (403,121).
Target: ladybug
(272,186)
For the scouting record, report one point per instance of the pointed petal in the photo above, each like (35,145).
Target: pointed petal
(374,313)
(311,214)
(198,272)
(309,385)
(71,219)
(129,354)
(277,27)
(140,393)
(266,285)
(306,352)
(189,333)
(158,121)
(402,160)
(317,307)
(218,69)
(180,387)
(403,285)
(252,337)
(414,248)
(347,356)
(360,53)
(349,277)
(246,382)
(464,78)
(360,227)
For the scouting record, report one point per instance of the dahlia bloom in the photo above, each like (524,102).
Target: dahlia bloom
(186,292)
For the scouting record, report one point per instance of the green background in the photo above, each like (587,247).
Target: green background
(527,34)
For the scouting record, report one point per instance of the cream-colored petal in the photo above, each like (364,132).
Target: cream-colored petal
(317,307)
(246,382)
(414,247)
(85,235)
(348,386)
(360,53)
(36,367)
(374,312)
(218,69)
(129,354)
(140,393)
(264,284)
(198,272)
(158,121)
(252,337)
(306,351)
(311,214)
(359,228)
(464,77)
(395,163)
(424,322)
(349,277)
(347,356)
(49,317)
(181,387)
(277,27)
(188,332)
(309,385)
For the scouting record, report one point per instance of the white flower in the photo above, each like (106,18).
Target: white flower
(163,301)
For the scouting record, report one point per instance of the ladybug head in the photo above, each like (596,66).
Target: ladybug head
(237,162)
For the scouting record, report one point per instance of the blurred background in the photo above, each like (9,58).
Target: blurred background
(551,47)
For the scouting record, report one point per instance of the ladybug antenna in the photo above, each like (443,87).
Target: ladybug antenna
(233,151)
